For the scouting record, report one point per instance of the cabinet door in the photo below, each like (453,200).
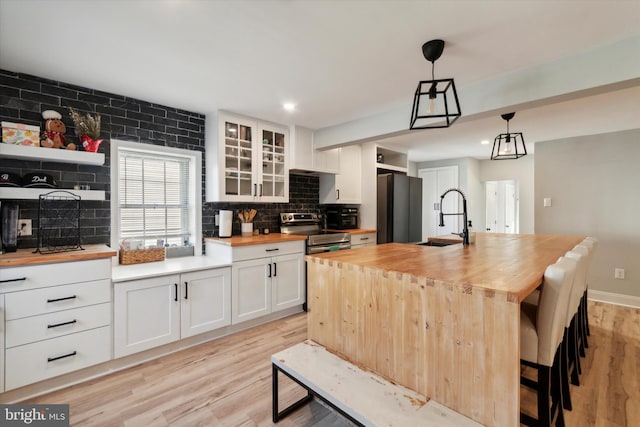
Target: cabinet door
(346,186)
(1,343)
(250,289)
(146,314)
(288,281)
(206,301)
(237,138)
(272,164)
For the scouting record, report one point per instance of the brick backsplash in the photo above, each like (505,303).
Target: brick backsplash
(23,98)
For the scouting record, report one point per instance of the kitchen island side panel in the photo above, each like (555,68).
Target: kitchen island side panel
(453,344)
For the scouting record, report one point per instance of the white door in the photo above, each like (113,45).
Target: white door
(206,301)
(251,289)
(435,181)
(491,196)
(288,281)
(146,314)
(510,208)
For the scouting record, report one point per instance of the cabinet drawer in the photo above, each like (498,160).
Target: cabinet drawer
(39,276)
(52,325)
(56,298)
(363,239)
(35,362)
(242,253)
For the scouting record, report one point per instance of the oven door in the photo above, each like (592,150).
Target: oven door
(317,249)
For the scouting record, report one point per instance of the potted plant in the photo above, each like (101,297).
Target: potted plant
(87,129)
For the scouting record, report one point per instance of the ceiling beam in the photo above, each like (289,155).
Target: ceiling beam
(603,69)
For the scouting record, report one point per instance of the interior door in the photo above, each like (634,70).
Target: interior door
(491,195)
(435,181)
(510,208)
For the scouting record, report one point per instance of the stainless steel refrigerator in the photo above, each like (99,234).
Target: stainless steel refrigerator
(399,208)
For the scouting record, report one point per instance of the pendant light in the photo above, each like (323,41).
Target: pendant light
(508,145)
(435,103)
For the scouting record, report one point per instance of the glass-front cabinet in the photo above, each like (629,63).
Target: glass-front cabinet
(247,160)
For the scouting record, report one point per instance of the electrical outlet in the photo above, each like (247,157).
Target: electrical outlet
(24,227)
(619,273)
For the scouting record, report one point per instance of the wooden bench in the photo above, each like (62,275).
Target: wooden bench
(361,396)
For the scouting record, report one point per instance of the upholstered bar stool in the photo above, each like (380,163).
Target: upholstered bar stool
(541,332)
(581,278)
(572,339)
(591,243)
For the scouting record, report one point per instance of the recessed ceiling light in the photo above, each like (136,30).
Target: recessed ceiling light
(484,142)
(289,106)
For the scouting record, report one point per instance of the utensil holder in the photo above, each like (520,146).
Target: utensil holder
(246,228)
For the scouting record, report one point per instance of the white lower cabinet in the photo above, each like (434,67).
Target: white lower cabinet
(159,310)
(265,285)
(1,343)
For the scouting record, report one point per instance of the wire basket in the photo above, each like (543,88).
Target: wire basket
(58,222)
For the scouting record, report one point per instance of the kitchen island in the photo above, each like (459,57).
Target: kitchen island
(443,321)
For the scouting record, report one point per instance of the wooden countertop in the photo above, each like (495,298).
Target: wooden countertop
(504,263)
(255,240)
(355,230)
(27,257)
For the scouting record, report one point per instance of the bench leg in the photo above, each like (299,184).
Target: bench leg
(276,414)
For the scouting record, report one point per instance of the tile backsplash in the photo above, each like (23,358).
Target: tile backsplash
(23,98)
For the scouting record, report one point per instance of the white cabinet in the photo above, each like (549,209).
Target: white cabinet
(265,278)
(159,310)
(365,239)
(305,157)
(346,186)
(1,343)
(247,160)
(56,318)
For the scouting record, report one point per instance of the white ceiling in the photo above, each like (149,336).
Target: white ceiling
(337,60)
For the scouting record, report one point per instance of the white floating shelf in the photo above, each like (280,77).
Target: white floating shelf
(23,152)
(391,167)
(19,193)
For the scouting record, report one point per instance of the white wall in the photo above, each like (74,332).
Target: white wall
(521,170)
(594,184)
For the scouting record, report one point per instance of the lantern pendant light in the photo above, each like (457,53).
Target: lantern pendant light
(435,103)
(508,145)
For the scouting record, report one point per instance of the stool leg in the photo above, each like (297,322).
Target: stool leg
(564,372)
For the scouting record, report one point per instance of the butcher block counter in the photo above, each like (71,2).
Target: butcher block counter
(27,257)
(443,321)
(255,240)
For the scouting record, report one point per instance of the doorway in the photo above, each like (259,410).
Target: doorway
(502,207)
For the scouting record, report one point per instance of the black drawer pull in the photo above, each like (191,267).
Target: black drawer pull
(364,238)
(52,359)
(272,250)
(19,279)
(61,299)
(55,325)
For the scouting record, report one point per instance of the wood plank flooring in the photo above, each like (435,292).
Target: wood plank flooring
(227,382)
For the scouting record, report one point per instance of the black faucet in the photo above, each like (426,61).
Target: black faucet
(465,231)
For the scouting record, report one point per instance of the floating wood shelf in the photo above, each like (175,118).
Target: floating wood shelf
(50,154)
(19,193)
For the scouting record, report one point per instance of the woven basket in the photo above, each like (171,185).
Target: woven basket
(141,255)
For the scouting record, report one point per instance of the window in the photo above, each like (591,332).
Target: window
(156,195)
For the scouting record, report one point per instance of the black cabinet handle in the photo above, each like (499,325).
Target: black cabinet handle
(186,290)
(61,299)
(255,190)
(364,238)
(338,194)
(175,285)
(51,359)
(19,279)
(55,325)
(260,190)
(272,250)
(269,275)
(275,269)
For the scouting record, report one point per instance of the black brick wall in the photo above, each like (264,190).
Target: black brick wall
(24,97)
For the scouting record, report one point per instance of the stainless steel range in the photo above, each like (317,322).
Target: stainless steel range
(318,240)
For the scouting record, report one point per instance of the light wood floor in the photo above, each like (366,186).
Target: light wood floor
(228,382)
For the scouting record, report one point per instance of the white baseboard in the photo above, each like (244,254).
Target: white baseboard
(613,298)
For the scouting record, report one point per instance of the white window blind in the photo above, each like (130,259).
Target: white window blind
(154,197)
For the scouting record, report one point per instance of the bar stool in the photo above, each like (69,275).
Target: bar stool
(572,337)
(541,332)
(581,322)
(591,243)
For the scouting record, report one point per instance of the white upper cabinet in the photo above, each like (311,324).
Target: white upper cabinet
(246,160)
(346,186)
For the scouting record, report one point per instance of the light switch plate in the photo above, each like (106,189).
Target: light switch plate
(547,202)
(619,273)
